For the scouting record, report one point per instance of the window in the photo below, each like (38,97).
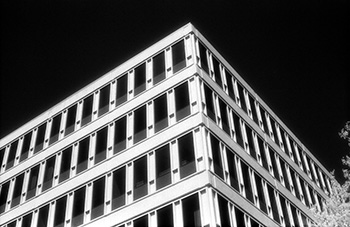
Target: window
(209,102)
(158,68)
(224,117)
(253,109)
(78,207)
(3,196)
(261,194)
(251,142)
(312,196)
(182,101)
(215,148)
(12,155)
(163,170)
(217,72)
(33,181)
(165,216)
(274,158)
(160,113)
(120,135)
(186,155)
(40,136)
(43,216)
(55,128)
(285,174)
(295,216)
(238,132)
(203,57)
(178,55)
(247,183)
(224,212)
(87,110)
(49,171)
(273,201)
(118,190)
(230,85)
(285,211)
(141,222)
(83,154)
(264,120)
(25,146)
(262,153)
(17,191)
(274,130)
(60,212)
(70,122)
(101,145)
(140,79)
(241,97)
(232,167)
(191,212)
(103,106)
(140,178)
(65,164)
(140,124)
(302,186)
(27,220)
(239,218)
(122,90)
(294,179)
(2,154)
(12,224)
(284,141)
(98,198)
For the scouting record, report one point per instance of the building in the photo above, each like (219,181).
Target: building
(172,137)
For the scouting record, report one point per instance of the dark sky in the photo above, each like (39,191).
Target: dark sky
(294,54)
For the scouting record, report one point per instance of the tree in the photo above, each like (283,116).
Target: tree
(336,209)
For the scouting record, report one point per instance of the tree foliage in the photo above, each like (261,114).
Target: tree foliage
(336,209)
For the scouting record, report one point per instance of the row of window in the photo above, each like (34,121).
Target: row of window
(95,148)
(235,172)
(211,65)
(90,201)
(110,96)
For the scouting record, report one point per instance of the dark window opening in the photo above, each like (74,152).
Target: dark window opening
(122,90)
(70,122)
(209,103)
(78,207)
(224,212)
(25,146)
(140,79)
(191,212)
(239,218)
(120,135)
(274,131)
(302,160)
(253,223)
(262,153)
(39,142)
(49,171)
(60,213)
(312,202)
(215,148)
(158,68)
(284,141)
(104,100)
(55,128)
(140,178)
(182,101)
(302,185)
(12,155)
(163,171)
(247,183)
(160,113)
(295,216)
(140,124)
(179,58)
(65,164)
(43,216)
(203,57)
(238,131)
(118,194)
(98,198)
(27,220)
(2,154)
(217,72)
(285,175)
(232,168)
(251,142)
(230,85)
(165,216)
(224,117)
(273,201)
(101,145)
(87,110)
(264,120)
(186,155)
(141,222)
(83,154)
(296,187)
(253,108)
(285,211)
(261,194)
(12,224)
(17,191)
(3,196)
(33,182)
(274,158)
(241,97)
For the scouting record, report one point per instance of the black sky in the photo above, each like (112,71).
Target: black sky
(294,54)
